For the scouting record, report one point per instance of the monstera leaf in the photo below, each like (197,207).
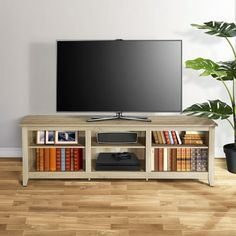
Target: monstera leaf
(209,67)
(229,67)
(213,109)
(218,28)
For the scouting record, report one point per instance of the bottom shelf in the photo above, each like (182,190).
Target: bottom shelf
(117,175)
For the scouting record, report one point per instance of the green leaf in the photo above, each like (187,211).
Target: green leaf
(209,67)
(218,28)
(213,109)
(229,67)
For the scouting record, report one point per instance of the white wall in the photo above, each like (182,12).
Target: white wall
(29,30)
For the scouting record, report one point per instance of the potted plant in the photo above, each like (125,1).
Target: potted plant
(222,72)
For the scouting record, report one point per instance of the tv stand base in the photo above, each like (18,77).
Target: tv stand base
(118,116)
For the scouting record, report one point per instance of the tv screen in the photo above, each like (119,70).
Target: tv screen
(119,76)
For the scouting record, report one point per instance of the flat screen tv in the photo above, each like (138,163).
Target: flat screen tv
(119,76)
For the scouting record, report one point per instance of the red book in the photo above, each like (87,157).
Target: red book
(160,159)
(166,135)
(67,151)
(174,159)
(58,159)
(76,159)
(174,137)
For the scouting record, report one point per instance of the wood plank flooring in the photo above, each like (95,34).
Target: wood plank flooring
(117,207)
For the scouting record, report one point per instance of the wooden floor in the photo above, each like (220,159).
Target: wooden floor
(117,207)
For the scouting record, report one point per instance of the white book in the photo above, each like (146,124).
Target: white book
(178,137)
(152,159)
(165,160)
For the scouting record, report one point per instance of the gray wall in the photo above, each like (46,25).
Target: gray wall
(29,30)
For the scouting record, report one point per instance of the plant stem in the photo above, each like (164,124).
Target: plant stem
(230,44)
(233,96)
(231,123)
(230,95)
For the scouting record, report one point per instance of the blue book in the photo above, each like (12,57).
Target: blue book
(171,138)
(63,159)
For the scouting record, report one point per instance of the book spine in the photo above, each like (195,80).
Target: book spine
(155,159)
(58,159)
(159,137)
(67,164)
(179,161)
(183,159)
(71,159)
(170,137)
(163,137)
(76,159)
(178,137)
(198,159)
(52,165)
(165,159)
(63,159)
(160,159)
(166,135)
(169,159)
(174,137)
(80,162)
(174,159)
(37,159)
(193,160)
(188,159)
(204,159)
(46,159)
(41,159)
(155,138)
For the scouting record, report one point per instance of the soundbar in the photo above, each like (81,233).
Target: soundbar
(117,137)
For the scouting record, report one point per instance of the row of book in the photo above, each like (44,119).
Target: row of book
(174,137)
(166,137)
(59,159)
(194,137)
(179,159)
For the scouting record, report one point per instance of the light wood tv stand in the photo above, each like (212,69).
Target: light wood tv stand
(87,131)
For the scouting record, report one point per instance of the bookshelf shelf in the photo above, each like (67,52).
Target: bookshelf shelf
(90,148)
(179,146)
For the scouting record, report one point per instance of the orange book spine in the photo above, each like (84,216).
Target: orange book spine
(67,159)
(174,137)
(41,159)
(166,135)
(160,159)
(178,158)
(52,159)
(46,159)
(174,159)
(58,159)
(188,159)
(183,157)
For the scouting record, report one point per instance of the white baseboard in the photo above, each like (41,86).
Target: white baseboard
(10,152)
(17,152)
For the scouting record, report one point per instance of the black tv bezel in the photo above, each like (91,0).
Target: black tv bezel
(112,111)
